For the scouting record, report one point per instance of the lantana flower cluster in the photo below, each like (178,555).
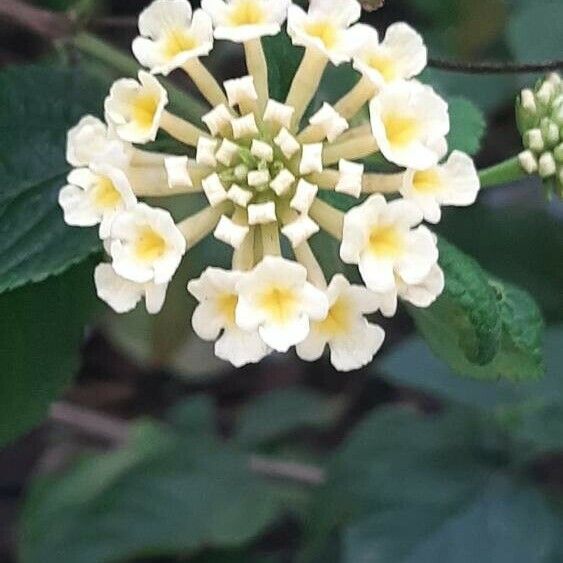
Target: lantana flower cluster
(263,165)
(539,114)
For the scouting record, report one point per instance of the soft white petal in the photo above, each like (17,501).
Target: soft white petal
(120,294)
(241,348)
(358,347)
(281,337)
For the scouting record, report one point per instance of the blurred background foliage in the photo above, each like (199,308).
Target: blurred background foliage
(402,462)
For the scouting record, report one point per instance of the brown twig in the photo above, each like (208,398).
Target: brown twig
(116,432)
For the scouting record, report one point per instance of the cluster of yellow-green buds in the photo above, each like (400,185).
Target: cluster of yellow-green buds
(539,114)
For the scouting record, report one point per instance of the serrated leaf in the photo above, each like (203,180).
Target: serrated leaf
(168,492)
(464,325)
(38,104)
(38,352)
(467,126)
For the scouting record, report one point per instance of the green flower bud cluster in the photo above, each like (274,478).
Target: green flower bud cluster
(539,115)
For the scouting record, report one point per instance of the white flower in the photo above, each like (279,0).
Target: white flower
(177,171)
(287,143)
(135,108)
(400,56)
(262,213)
(262,150)
(282,183)
(454,183)
(218,119)
(279,113)
(95,196)
(304,196)
(146,245)
(214,189)
(380,238)
(353,341)
(239,195)
(350,179)
(123,295)
(88,140)
(205,151)
(330,121)
(216,291)
(229,232)
(227,152)
(326,27)
(421,294)
(244,126)
(276,299)
(311,158)
(409,120)
(243,20)
(300,230)
(170,36)
(240,90)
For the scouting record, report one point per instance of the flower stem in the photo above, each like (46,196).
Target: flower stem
(114,58)
(198,226)
(503,173)
(180,129)
(258,69)
(271,239)
(355,148)
(329,219)
(350,104)
(243,256)
(205,82)
(305,83)
(305,256)
(371,182)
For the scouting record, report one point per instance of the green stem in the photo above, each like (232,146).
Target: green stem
(98,49)
(502,173)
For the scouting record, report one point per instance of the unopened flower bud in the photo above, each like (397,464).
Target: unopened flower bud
(533,139)
(558,153)
(550,132)
(547,166)
(528,161)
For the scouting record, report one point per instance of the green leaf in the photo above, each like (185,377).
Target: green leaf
(169,491)
(411,364)
(283,61)
(510,236)
(480,326)
(406,488)
(464,324)
(34,241)
(279,413)
(42,327)
(467,126)
(493,525)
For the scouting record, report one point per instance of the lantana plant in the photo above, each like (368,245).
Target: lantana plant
(263,165)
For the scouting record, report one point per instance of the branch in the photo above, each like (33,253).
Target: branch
(488,67)
(115,432)
(44,23)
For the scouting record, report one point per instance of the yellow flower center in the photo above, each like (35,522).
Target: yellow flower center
(427,181)
(227,304)
(337,321)
(386,241)
(325,31)
(150,245)
(384,65)
(246,12)
(400,130)
(178,41)
(279,303)
(144,108)
(105,194)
